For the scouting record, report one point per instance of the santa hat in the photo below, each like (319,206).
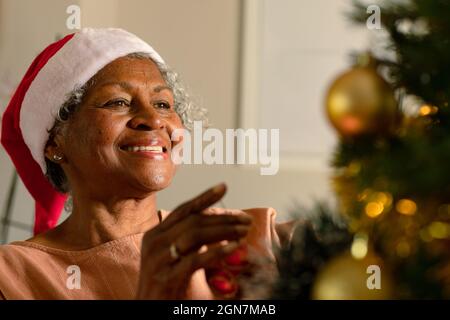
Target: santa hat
(56,71)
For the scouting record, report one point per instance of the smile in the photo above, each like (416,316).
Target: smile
(154,149)
(156,152)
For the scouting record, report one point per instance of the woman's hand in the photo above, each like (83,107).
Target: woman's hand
(188,228)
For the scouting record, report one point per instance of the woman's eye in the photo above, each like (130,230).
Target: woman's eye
(117,103)
(162,105)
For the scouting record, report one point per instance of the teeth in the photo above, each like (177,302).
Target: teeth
(145,149)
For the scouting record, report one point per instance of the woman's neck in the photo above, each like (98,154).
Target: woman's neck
(93,222)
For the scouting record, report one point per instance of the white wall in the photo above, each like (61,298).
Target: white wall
(201,40)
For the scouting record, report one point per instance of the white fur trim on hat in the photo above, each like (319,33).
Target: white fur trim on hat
(72,66)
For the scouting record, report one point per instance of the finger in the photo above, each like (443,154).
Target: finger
(217,210)
(199,221)
(196,204)
(158,243)
(194,261)
(192,241)
(223,219)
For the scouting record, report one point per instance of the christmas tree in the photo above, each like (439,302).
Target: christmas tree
(391,170)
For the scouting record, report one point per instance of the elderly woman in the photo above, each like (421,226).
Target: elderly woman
(93,117)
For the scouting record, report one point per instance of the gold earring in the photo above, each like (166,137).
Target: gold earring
(57,157)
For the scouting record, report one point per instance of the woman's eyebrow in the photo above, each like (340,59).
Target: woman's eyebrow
(122,84)
(128,86)
(160,88)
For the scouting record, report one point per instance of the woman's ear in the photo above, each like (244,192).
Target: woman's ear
(53,150)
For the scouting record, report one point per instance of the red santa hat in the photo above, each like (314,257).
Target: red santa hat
(56,71)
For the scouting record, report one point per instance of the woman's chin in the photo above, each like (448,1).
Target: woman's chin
(155,182)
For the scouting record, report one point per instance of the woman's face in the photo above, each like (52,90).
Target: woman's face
(119,139)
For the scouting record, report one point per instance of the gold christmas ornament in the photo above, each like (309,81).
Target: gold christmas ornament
(347,278)
(361,102)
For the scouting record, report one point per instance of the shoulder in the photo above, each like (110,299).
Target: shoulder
(22,256)
(13,264)
(19,267)
(27,270)
(13,255)
(10,250)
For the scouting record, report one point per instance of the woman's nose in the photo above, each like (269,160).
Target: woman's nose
(147,118)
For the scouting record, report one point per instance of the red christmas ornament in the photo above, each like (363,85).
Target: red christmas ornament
(223,283)
(238,257)
(223,279)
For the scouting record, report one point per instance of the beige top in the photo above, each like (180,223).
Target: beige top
(108,271)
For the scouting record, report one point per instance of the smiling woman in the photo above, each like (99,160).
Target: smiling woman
(126,109)
(186,110)
(93,118)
